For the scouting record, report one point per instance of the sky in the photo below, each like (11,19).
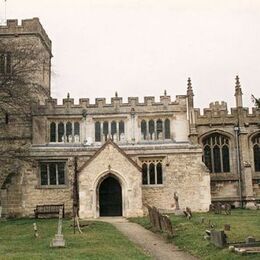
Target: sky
(143,47)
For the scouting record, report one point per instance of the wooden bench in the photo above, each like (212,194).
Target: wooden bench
(48,210)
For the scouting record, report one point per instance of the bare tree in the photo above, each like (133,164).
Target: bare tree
(22,66)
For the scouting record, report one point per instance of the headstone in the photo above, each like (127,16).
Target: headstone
(35,230)
(227,227)
(218,238)
(58,240)
(176,199)
(250,240)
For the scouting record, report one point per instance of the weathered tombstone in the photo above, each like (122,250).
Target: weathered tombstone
(218,238)
(58,240)
(250,240)
(36,235)
(227,227)
(176,199)
(156,219)
(168,225)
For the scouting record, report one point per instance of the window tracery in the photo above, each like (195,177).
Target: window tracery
(216,153)
(155,129)
(152,173)
(114,130)
(256,151)
(64,132)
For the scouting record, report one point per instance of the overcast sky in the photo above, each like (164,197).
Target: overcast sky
(142,47)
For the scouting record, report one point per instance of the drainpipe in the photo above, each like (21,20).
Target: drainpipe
(239,173)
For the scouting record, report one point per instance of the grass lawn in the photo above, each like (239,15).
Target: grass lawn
(99,241)
(189,233)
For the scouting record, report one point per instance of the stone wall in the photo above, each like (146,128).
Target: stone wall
(187,176)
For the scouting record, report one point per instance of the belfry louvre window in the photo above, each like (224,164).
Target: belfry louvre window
(216,153)
(5,63)
(52,173)
(152,173)
(256,151)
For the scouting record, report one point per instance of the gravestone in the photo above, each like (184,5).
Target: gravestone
(58,240)
(218,238)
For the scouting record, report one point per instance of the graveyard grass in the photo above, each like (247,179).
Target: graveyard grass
(99,241)
(190,233)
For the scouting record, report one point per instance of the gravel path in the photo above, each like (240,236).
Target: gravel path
(152,243)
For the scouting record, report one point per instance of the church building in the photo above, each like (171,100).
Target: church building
(113,158)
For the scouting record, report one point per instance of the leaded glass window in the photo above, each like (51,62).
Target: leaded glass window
(105,130)
(97,132)
(53,132)
(167,127)
(256,151)
(216,153)
(143,129)
(60,132)
(152,172)
(52,173)
(151,129)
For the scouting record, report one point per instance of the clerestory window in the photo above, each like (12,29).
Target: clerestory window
(65,132)
(216,153)
(256,151)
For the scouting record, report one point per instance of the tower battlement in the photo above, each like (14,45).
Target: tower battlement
(27,27)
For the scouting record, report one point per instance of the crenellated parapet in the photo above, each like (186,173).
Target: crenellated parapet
(116,105)
(218,113)
(27,27)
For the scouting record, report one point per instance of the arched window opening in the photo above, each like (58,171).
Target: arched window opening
(61,132)
(121,130)
(97,132)
(167,127)
(143,130)
(69,132)
(151,130)
(159,173)
(113,130)
(76,132)
(151,174)
(144,174)
(216,153)
(105,130)
(256,151)
(53,132)
(207,157)
(159,129)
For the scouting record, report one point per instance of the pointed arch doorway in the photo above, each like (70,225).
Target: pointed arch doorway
(110,197)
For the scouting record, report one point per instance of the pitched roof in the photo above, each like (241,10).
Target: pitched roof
(110,142)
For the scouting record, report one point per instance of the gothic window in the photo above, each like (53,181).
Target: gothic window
(151,129)
(167,129)
(216,153)
(144,174)
(76,132)
(60,132)
(105,130)
(53,132)
(69,132)
(121,129)
(256,150)
(97,132)
(159,173)
(5,63)
(152,173)
(52,173)
(159,129)
(143,129)
(113,129)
